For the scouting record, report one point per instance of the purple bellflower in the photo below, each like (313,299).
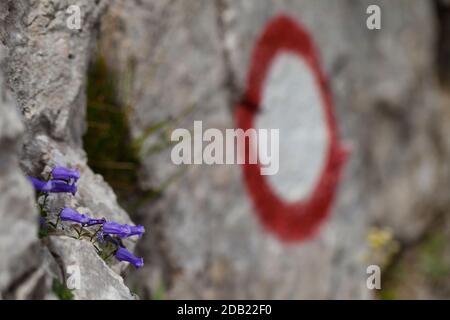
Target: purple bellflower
(137,231)
(68,214)
(62,173)
(93,222)
(122,230)
(123,254)
(60,186)
(39,185)
(100,237)
(53,186)
(103,238)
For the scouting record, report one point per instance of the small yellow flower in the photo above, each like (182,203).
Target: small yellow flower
(379,238)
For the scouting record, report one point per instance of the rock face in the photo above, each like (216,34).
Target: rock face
(17,212)
(46,66)
(97,280)
(205,240)
(187,60)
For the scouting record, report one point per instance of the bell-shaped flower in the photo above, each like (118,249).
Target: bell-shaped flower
(68,214)
(66,174)
(122,254)
(53,186)
(122,230)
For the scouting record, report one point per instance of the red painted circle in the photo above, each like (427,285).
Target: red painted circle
(299,220)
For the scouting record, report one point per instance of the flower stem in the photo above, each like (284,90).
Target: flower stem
(81,231)
(42,205)
(57,220)
(109,255)
(97,249)
(96,232)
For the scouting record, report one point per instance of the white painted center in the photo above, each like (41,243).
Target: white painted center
(292,103)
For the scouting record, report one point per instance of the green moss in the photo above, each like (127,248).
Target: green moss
(107,141)
(391,281)
(432,256)
(110,149)
(160,293)
(61,290)
(423,264)
(42,233)
(388,295)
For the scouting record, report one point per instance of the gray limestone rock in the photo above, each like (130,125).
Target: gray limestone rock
(18,230)
(45,67)
(96,280)
(184,60)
